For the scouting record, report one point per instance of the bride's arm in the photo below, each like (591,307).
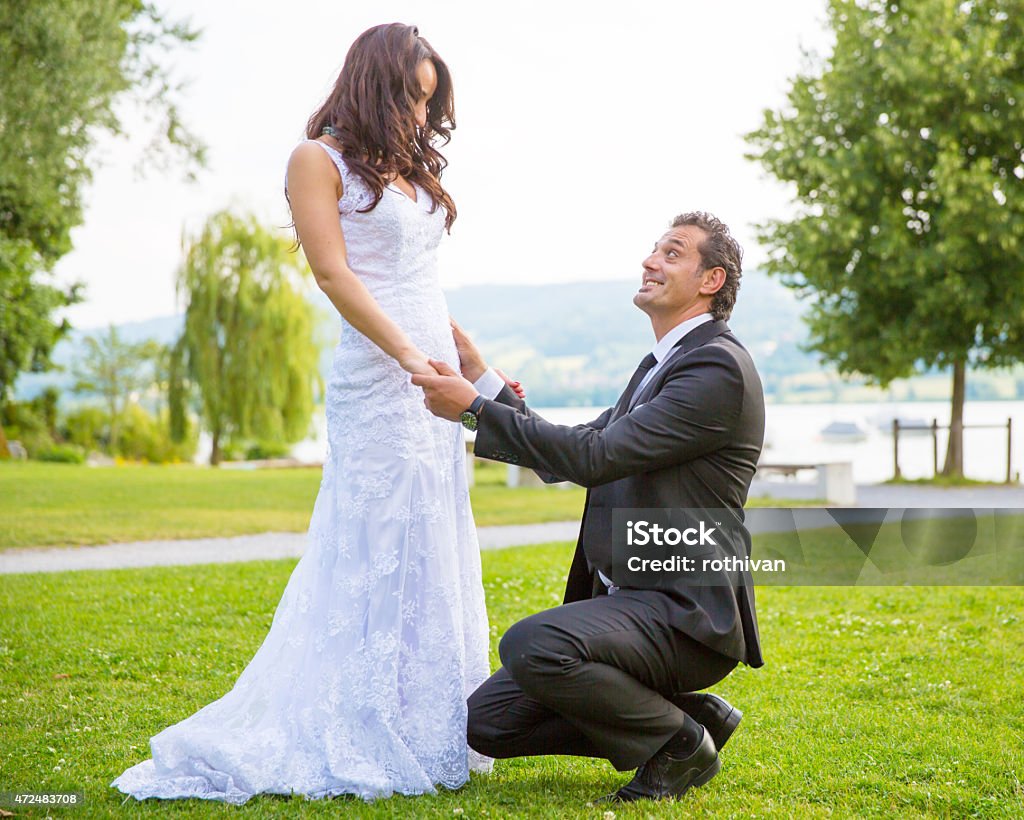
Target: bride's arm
(314,188)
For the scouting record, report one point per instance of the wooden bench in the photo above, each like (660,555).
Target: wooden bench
(834,479)
(788,470)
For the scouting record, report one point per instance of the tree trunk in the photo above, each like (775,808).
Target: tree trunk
(116,417)
(215,449)
(954,466)
(4,450)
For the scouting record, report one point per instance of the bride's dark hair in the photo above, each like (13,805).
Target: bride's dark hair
(371,107)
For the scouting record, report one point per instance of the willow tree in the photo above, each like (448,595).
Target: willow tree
(904,149)
(248,341)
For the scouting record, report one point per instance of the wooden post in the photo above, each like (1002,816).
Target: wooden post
(1009,449)
(935,447)
(896,449)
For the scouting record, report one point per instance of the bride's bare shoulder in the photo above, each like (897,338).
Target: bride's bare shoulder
(308,152)
(311,166)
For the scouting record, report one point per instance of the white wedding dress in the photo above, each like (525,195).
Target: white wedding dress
(360,686)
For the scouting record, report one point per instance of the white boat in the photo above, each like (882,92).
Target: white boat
(843,432)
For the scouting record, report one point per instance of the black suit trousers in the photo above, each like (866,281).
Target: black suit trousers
(593,678)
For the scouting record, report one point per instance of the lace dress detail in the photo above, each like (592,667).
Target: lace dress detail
(381,634)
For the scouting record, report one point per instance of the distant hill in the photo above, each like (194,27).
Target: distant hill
(578,343)
(570,344)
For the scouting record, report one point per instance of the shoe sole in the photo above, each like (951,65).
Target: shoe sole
(732,720)
(699,780)
(707,774)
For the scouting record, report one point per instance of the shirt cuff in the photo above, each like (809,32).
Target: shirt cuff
(489,384)
(612,589)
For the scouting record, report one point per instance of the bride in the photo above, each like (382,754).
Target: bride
(360,686)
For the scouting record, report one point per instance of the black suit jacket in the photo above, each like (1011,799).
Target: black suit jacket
(691,439)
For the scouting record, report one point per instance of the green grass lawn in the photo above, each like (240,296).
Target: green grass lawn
(946,481)
(67,504)
(876,702)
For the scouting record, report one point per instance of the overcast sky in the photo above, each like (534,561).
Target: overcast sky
(581,132)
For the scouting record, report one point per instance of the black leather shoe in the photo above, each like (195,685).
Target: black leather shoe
(665,775)
(716,714)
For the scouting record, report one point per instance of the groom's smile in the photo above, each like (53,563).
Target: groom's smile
(674,285)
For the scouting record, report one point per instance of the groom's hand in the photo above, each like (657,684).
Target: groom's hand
(448,395)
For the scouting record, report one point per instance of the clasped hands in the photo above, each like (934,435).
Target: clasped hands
(447,394)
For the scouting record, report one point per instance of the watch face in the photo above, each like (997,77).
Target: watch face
(468,420)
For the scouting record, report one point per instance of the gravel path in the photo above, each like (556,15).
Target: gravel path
(271,545)
(264,546)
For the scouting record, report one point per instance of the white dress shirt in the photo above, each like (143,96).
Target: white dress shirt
(666,347)
(489,384)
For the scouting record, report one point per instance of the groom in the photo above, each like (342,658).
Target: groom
(614,671)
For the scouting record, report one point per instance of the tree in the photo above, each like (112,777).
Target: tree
(116,370)
(27,331)
(248,341)
(65,64)
(905,151)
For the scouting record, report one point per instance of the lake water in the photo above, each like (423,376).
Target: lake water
(793,436)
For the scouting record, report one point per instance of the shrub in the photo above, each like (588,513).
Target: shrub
(87,427)
(23,422)
(63,453)
(267,449)
(143,436)
(232,452)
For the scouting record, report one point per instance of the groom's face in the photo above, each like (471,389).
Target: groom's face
(672,274)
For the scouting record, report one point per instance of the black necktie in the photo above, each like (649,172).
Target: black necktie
(646,363)
(627,396)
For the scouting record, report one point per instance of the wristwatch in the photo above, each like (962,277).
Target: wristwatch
(470,417)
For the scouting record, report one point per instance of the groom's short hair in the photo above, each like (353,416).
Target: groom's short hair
(718,250)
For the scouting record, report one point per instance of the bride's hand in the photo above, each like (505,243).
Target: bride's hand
(515,386)
(417,362)
(471,362)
